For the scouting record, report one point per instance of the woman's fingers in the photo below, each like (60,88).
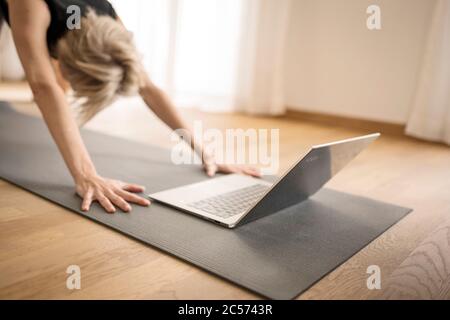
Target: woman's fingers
(133,188)
(109,194)
(225,168)
(252,172)
(118,201)
(106,204)
(130,197)
(87,200)
(127,190)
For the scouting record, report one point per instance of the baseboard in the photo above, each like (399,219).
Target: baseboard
(347,122)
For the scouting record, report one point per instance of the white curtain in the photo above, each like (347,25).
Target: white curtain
(430,118)
(218,55)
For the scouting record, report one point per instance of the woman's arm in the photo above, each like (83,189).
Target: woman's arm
(29,23)
(162,106)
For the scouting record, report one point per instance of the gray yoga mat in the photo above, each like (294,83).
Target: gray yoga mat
(278,257)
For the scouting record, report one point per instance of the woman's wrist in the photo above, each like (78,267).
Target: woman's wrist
(195,146)
(203,154)
(84,173)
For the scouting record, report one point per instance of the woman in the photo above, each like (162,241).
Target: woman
(99,62)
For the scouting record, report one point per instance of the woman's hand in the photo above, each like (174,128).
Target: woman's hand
(211,167)
(109,193)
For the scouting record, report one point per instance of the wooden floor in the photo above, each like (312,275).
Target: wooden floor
(38,239)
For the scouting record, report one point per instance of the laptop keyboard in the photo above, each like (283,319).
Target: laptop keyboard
(231,203)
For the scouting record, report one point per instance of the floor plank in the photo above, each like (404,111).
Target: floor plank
(425,273)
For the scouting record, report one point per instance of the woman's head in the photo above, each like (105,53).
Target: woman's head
(100,62)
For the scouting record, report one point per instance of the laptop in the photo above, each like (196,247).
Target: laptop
(233,200)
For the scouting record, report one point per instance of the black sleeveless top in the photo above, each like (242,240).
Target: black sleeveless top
(59,16)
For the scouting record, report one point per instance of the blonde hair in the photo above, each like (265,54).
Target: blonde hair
(100,62)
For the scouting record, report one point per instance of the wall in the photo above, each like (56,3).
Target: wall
(335,65)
